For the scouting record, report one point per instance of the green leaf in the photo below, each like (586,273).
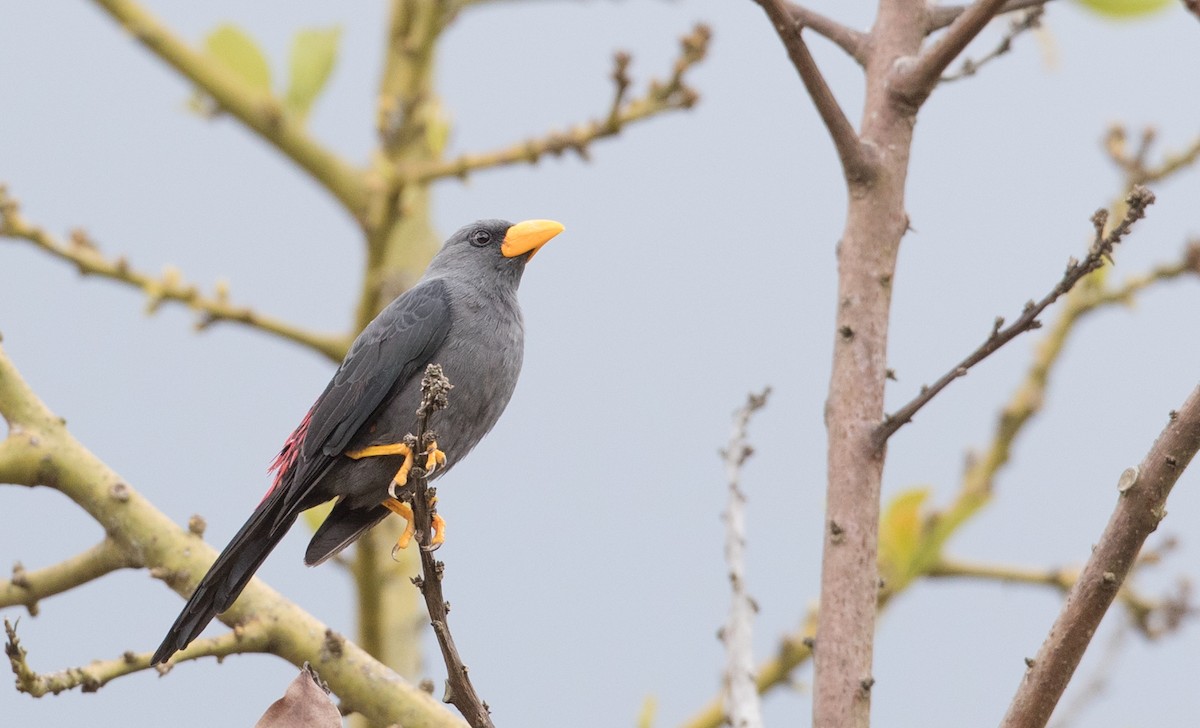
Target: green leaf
(314,52)
(315,516)
(1126,8)
(236,50)
(900,537)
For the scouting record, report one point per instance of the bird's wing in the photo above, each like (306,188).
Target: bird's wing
(393,349)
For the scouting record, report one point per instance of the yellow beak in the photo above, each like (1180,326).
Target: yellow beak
(528,236)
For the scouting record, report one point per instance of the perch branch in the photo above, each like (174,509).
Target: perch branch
(740,694)
(1139,199)
(1028,20)
(40,451)
(914,82)
(1141,505)
(853,42)
(27,588)
(435,388)
(260,111)
(855,164)
(91,678)
(660,97)
(81,251)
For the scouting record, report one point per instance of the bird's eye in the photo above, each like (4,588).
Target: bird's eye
(480,238)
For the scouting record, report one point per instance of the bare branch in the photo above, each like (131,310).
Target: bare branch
(915,81)
(83,253)
(96,675)
(740,694)
(855,164)
(1141,505)
(1136,164)
(1139,199)
(977,482)
(852,41)
(660,97)
(29,587)
(942,16)
(435,388)
(1139,606)
(258,110)
(1028,20)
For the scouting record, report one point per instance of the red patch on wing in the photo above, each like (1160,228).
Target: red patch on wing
(286,458)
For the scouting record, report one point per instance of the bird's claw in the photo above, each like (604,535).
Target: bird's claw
(434,458)
(437,526)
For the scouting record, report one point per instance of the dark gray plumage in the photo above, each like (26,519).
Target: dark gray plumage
(462,314)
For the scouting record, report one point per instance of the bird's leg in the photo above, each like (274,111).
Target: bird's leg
(404,510)
(434,457)
(396,448)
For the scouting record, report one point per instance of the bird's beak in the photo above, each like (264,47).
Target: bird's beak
(528,236)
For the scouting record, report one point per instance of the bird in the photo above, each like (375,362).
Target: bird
(350,446)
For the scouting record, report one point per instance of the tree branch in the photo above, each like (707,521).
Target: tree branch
(82,252)
(435,389)
(944,15)
(914,82)
(260,111)
(977,482)
(852,41)
(855,164)
(1028,20)
(28,587)
(1139,199)
(660,97)
(740,695)
(1141,505)
(1063,580)
(1136,165)
(99,673)
(41,451)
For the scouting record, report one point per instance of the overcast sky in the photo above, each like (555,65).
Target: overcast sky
(697,265)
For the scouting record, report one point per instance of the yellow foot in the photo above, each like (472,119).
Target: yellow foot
(398,448)
(404,510)
(434,458)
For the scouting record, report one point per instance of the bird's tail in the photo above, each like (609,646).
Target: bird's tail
(230,573)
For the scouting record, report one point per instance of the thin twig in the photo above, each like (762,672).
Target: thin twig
(83,253)
(942,16)
(96,675)
(855,165)
(1139,199)
(28,587)
(661,96)
(1028,20)
(741,696)
(1141,505)
(852,41)
(460,692)
(912,83)
(1136,165)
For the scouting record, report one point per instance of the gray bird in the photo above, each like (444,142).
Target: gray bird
(462,314)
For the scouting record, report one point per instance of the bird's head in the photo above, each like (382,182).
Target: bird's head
(493,248)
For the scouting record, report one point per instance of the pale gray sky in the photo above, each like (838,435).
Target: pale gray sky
(697,264)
